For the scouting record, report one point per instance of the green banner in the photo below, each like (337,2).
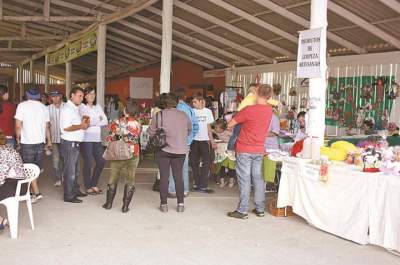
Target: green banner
(74,49)
(349,98)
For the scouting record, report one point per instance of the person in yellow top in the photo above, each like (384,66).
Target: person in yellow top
(251,97)
(249,100)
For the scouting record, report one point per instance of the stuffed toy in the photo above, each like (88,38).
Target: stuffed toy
(372,160)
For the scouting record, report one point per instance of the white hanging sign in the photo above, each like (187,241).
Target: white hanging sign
(308,55)
(141,87)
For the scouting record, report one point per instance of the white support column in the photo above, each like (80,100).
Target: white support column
(317,90)
(101,63)
(46,74)
(68,78)
(166,50)
(21,81)
(31,73)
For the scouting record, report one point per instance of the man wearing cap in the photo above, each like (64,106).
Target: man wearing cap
(54,113)
(32,128)
(72,132)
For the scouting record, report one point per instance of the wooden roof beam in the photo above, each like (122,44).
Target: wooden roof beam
(131,44)
(255,20)
(215,37)
(175,43)
(363,24)
(32,38)
(46,9)
(158,36)
(1,9)
(126,55)
(234,29)
(129,50)
(51,19)
(393,4)
(127,11)
(20,49)
(158,47)
(306,24)
(196,41)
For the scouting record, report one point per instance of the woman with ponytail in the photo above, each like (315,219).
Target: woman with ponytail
(7,112)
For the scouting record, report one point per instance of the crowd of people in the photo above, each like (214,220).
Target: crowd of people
(71,130)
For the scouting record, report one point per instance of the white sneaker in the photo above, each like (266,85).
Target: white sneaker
(33,199)
(57,183)
(36,197)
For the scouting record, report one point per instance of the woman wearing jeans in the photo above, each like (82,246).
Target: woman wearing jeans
(91,147)
(177,127)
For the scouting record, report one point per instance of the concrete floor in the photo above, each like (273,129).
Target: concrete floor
(87,234)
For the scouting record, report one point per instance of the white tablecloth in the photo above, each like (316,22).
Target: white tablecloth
(339,206)
(349,204)
(384,213)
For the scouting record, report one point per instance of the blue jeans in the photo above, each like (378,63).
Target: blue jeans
(71,163)
(90,151)
(57,161)
(33,153)
(185,175)
(233,139)
(248,167)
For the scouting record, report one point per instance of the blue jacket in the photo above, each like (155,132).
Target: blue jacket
(182,106)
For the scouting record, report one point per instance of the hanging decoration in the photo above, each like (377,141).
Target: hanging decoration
(303,103)
(277,88)
(292,92)
(350,100)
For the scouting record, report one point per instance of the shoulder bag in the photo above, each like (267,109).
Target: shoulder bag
(159,140)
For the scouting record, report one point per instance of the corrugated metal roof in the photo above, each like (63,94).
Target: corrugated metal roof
(228,45)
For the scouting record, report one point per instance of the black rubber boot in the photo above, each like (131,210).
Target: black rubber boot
(156,185)
(111,190)
(128,194)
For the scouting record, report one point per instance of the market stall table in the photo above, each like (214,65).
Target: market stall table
(384,211)
(338,206)
(361,207)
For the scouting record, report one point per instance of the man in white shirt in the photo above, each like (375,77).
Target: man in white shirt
(200,147)
(54,113)
(32,129)
(72,132)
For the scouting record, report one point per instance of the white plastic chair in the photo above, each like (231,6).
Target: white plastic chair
(31,172)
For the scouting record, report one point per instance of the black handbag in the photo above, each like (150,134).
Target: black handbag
(159,140)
